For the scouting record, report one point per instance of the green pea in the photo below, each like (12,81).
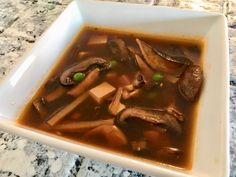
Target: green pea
(78,77)
(157,77)
(114,63)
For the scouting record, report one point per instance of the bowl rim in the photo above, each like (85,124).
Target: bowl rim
(14,128)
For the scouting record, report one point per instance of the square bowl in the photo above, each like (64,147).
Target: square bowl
(210,152)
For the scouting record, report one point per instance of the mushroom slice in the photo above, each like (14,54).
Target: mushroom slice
(190,82)
(192,52)
(66,76)
(139,81)
(161,61)
(153,116)
(144,68)
(119,49)
(81,126)
(134,89)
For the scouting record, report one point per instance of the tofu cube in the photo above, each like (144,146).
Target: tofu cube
(82,54)
(102,91)
(97,39)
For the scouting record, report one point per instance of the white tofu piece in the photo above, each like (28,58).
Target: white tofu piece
(102,91)
(82,54)
(97,39)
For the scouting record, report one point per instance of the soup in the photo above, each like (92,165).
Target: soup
(129,93)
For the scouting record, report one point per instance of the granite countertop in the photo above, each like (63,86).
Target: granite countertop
(21,23)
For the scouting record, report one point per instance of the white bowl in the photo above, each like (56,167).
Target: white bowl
(210,156)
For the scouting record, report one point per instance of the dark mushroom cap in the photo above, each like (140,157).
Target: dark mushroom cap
(139,80)
(119,49)
(153,116)
(159,60)
(190,82)
(66,76)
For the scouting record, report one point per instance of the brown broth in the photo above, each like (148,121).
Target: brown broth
(152,98)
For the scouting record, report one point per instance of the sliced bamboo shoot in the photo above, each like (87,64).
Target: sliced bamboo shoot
(55,94)
(85,84)
(65,111)
(80,126)
(115,107)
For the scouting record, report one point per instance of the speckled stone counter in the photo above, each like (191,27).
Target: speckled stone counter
(21,23)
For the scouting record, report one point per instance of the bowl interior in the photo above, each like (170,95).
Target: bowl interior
(210,157)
